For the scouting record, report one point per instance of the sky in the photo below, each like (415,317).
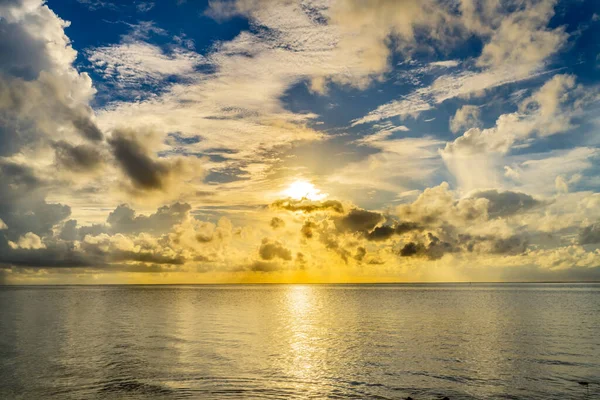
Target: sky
(284,141)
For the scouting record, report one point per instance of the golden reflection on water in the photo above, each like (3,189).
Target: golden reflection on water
(304,359)
(299,341)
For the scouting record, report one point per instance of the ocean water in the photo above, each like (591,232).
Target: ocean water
(480,341)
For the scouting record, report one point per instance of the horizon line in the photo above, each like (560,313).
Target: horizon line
(301,283)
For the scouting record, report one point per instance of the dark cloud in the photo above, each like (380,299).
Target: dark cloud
(358,220)
(504,204)
(412,249)
(145,257)
(265,266)
(405,227)
(22,202)
(435,248)
(277,223)
(590,234)
(361,252)
(385,232)
(77,158)
(55,255)
(512,245)
(82,121)
(124,219)
(272,249)
(21,55)
(143,170)
(308,206)
(308,228)
(70,231)
(381,233)
(329,239)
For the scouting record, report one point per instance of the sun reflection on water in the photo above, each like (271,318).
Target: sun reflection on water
(304,359)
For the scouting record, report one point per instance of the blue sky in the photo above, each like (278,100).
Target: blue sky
(472,122)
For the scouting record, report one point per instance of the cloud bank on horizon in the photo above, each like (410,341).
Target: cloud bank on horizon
(299,141)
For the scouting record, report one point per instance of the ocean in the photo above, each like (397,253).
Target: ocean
(388,341)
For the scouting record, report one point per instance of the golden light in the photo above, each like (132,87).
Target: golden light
(301,189)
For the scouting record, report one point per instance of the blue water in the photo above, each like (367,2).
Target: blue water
(480,341)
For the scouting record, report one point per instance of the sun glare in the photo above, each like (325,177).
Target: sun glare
(303,190)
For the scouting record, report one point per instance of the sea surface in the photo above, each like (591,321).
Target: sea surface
(480,341)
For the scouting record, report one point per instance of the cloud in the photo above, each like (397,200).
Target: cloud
(399,108)
(43,95)
(134,62)
(394,167)
(381,233)
(277,223)
(517,42)
(229,114)
(124,219)
(146,172)
(465,117)
(308,206)
(22,202)
(474,157)
(308,229)
(384,232)
(97,4)
(547,112)
(434,248)
(507,203)
(358,220)
(77,158)
(270,250)
(522,39)
(590,234)
(29,241)
(264,266)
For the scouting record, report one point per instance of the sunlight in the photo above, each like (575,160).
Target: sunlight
(301,189)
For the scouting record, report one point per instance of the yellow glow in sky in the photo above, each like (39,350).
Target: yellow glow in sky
(302,189)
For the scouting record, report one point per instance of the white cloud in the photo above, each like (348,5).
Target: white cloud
(465,117)
(412,107)
(29,241)
(547,112)
(518,43)
(135,62)
(445,64)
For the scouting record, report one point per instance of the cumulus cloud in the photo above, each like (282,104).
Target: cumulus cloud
(384,232)
(39,86)
(29,241)
(23,207)
(547,112)
(124,219)
(308,229)
(358,220)
(503,204)
(270,250)
(277,223)
(474,156)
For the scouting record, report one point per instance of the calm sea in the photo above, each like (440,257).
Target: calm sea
(480,341)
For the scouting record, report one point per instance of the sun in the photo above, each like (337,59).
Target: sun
(301,189)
